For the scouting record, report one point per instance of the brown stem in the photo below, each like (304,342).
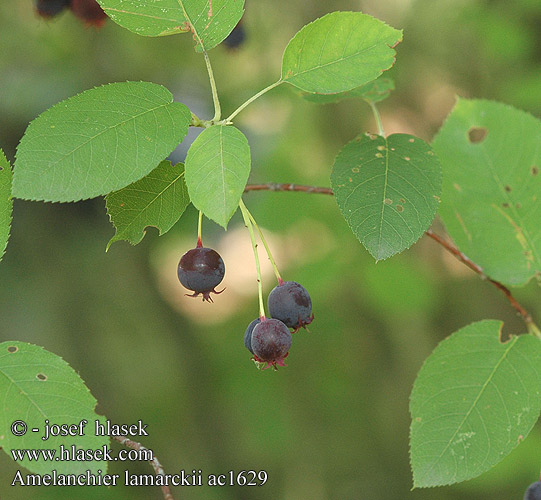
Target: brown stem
(438,239)
(134,445)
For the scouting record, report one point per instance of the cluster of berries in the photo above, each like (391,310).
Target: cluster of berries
(88,11)
(268,339)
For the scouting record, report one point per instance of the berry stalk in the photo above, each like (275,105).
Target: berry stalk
(199,229)
(267,249)
(248,224)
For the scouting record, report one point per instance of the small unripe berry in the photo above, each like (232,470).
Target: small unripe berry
(271,340)
(533,492)
(290,303)
(248,334)
(201,270)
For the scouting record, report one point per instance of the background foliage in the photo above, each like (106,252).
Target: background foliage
(334,424)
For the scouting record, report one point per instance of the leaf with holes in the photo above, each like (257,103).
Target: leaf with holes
(210,21)
(158,200)
(217,169)
(6,203)
(491,206)
(372,92)
(338,52)
(35,386)
(475,399)
(387,190)
(98,141)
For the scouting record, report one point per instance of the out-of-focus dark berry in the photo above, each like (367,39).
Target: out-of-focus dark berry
(51,8)
(89,11)
(236,38)
(201,270)
(533,492)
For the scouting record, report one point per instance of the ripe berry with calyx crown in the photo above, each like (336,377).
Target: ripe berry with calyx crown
(201,270)
(271,340)
(248,334)
(290,303)
(51,8)
(533,492)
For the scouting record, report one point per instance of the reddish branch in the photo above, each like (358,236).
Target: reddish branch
(448,246)
(123,440)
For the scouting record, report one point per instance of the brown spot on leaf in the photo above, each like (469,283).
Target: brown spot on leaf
(407,158)
(399,208)
(518,205)
(355,170)
(13,348)
(41,376)
(508,188)
(535,170)
(411,140)
(388,201)
(477,134)
(402,200)
(505,205)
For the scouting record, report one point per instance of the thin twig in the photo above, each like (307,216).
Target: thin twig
(272,186)
(134,445)
(525,315)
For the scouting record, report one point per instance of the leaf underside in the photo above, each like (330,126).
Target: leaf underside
(209,21)
(387,190)
(158,200)
(98,141)
(372,92)
(491,203)
(475,399)
(36,385)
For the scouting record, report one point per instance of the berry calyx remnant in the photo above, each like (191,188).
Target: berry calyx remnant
(270,343)
(533,492)
(290,303)
(201,270)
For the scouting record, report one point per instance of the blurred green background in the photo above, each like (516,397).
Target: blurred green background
(334,423)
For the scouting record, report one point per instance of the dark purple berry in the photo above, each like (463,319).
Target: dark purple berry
(51,8)
(236,38)
(271,340)
(248,334)
(290,303)
(533,492)
(201,270)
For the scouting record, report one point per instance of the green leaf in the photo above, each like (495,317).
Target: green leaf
(98,141)
(210,21)
(158,200)
(217,169)
(387,190)
(474,400)
(35,386)
(6,204)
(339,52)
(491,206)
(372,92)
